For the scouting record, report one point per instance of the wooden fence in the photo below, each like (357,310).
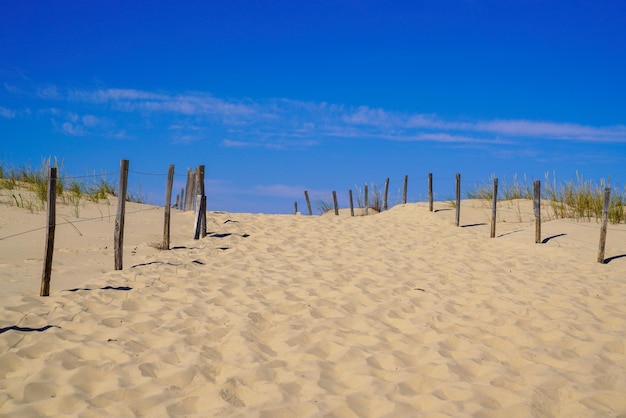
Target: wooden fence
(195,187)
(193,197)
(457,206)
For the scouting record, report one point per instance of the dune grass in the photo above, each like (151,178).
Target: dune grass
(578,199)
(27,187)
(325,205)
(375,200)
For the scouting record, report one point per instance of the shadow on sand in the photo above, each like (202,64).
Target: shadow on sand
(471,225)
(27,329)
(545,240)
(615,257)
(124,288)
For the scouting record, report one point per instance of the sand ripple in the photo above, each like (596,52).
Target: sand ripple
(398,314)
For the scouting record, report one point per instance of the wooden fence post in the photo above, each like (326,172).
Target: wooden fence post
(385,206)
(430,192)
(51,224)
(458,199)
(200,180)
(200,192)
(119,219)
(168,207)
(494,207)
(605,221)
(189,194)
(308,202)
(181,203)
(405,188)
(351,203)
(537,209)
(200,209)
(366,198)
(295,208)
(335,203)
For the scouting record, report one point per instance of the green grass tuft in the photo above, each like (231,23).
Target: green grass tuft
(29,187)
(578,199)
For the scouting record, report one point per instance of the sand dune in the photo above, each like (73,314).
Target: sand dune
(397,314)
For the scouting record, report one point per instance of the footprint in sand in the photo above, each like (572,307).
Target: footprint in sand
(230,393)
(259,321)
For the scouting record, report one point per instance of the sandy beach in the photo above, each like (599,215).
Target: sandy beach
(398,314)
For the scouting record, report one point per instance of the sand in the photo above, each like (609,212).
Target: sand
(396,314)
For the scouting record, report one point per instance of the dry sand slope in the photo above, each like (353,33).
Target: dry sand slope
(397,314)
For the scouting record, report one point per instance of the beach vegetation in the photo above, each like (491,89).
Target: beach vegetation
(578,199)
(325,206)
(27,187)
(375,198)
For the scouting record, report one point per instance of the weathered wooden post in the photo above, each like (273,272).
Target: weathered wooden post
(168,207)
(335,203)
(295,208)
(351,203)
(537,209)
(366,198)
(182,199)
(458,199)
(404,189)
(494,206)
(605,221)
(200,191)
(200,180)
(51,225)
(189,195)
(200,209)
(308,202)
(385,207)
(430,192)
(119,219)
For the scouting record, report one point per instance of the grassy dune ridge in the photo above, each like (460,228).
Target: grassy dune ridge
(578,199)
(27,187)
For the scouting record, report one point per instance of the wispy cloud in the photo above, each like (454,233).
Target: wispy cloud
(7,113)
(237,144)
(72,129)
(89,125)
(11,88)
(48,92)
(186,104)
(399,126)
(552,130)
(286,123)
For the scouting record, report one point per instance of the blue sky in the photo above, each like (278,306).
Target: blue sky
(275,97)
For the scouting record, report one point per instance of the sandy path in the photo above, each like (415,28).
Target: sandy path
(397,314)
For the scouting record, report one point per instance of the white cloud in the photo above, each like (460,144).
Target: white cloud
(71,129)
(399,126)
(7,113)
(368,116)
(451,138)
(285,123)
(553,130)
(91,120)
(86,125)
(48,92)
(12,89)
(187,104)
(186,139)
(235,144)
